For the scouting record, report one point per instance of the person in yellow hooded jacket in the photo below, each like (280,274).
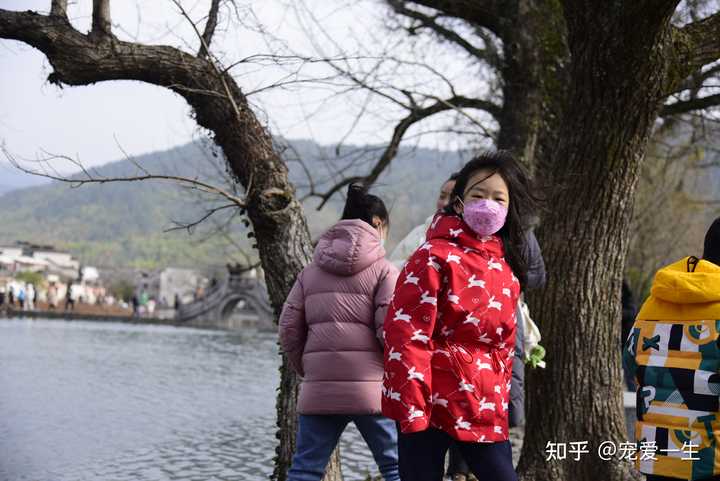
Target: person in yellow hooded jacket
(673,352)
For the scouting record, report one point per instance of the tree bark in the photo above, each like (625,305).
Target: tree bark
(59,8)
(219,105)
(534,77)
(101,23)
(617,79)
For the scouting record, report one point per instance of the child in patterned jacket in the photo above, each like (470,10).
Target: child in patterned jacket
(672,351)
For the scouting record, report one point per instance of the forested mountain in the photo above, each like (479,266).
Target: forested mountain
(124,224)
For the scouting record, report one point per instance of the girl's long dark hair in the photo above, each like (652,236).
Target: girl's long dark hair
(522,204)
(364,206)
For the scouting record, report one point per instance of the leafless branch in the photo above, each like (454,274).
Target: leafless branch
(415,115)
(282,83)
(190,226)
(696,81)
(88,178)
(486,54)
(101,20)
(486,13)
(458,103)
(706,202)
(210,25)
(681,107)
(191,90)
(58,8)
(365,84)
(265,59)
(708,165)
(699,43)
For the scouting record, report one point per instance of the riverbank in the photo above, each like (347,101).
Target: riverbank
(97,315)
(10,313)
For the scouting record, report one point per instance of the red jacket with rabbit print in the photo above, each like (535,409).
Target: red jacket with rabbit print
(450,336)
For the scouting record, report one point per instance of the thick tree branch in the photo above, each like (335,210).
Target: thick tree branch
(483,13)
(416,115)
(697,79)
(686,106)
(59,8)
(698,44)
(78,60)
(210,26)
(101,23)
(484,54)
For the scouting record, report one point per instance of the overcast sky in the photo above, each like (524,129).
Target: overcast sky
(86,121)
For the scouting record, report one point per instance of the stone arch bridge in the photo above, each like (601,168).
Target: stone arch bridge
(216,306)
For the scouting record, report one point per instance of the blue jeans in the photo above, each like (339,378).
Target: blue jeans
(319,434)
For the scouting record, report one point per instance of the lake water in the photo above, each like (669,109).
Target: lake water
(104,401)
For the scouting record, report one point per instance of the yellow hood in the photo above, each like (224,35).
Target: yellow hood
(681,295)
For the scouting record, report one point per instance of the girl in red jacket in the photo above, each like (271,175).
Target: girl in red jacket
(450,329)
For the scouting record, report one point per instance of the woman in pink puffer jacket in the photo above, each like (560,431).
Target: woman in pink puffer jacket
(331,331)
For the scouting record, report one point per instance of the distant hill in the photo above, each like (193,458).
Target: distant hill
(122,224)
(11,179)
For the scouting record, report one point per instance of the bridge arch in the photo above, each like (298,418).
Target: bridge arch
(227,306)
(216,306)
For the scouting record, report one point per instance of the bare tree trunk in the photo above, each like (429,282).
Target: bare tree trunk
(617,80)
(534,77)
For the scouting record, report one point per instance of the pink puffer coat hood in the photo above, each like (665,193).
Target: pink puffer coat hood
(349,247)
(332,318)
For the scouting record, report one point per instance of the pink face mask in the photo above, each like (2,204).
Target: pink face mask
(484,216)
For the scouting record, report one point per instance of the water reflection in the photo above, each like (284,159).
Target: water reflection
(90,401)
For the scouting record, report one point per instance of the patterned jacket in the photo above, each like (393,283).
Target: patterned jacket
(450,336)
(672,350)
